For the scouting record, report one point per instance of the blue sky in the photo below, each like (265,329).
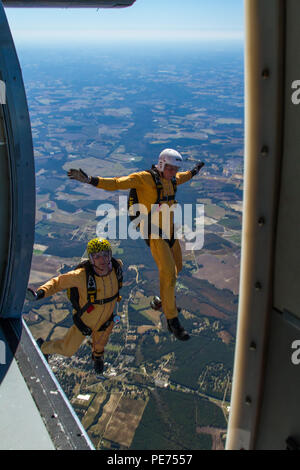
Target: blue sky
(154,20)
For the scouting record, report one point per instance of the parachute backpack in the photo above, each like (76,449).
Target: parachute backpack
(133,198)
(91,287)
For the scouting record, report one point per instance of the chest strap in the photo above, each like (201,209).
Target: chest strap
(97,302)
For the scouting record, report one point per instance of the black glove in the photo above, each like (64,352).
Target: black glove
(31,295)
(197,168)
(78,175)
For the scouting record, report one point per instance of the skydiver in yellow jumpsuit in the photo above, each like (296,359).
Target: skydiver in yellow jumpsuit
(166,252)
(97,288)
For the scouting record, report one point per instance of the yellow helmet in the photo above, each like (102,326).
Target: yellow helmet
(97,244)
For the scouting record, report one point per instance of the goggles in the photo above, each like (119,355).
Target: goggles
(101,254)
(171,167)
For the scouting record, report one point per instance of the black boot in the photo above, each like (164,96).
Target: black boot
(98,364)
(40,342)
(177,329)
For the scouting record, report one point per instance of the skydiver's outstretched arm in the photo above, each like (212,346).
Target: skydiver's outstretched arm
(184,176)
(134,180)
(56,284)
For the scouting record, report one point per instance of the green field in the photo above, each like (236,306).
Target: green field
(170,421)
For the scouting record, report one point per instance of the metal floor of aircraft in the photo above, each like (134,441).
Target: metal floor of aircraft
(23,427)
(35,413)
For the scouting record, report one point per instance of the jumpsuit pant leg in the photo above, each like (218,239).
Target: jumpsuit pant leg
(67,346)
(100,340)
(177,255)
(169,263)
(70,343)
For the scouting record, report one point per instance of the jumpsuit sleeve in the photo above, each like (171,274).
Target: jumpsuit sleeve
(134,180)
(183,177)
(62,282)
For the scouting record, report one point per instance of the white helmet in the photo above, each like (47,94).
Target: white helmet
(169,157)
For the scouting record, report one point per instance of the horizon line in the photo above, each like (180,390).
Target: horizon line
(84,35)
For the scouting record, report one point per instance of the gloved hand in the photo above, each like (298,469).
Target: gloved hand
(197,168)
(31,295)
(78,175)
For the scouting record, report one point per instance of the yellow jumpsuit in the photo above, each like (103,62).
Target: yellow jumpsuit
(168,260)
(107,286)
